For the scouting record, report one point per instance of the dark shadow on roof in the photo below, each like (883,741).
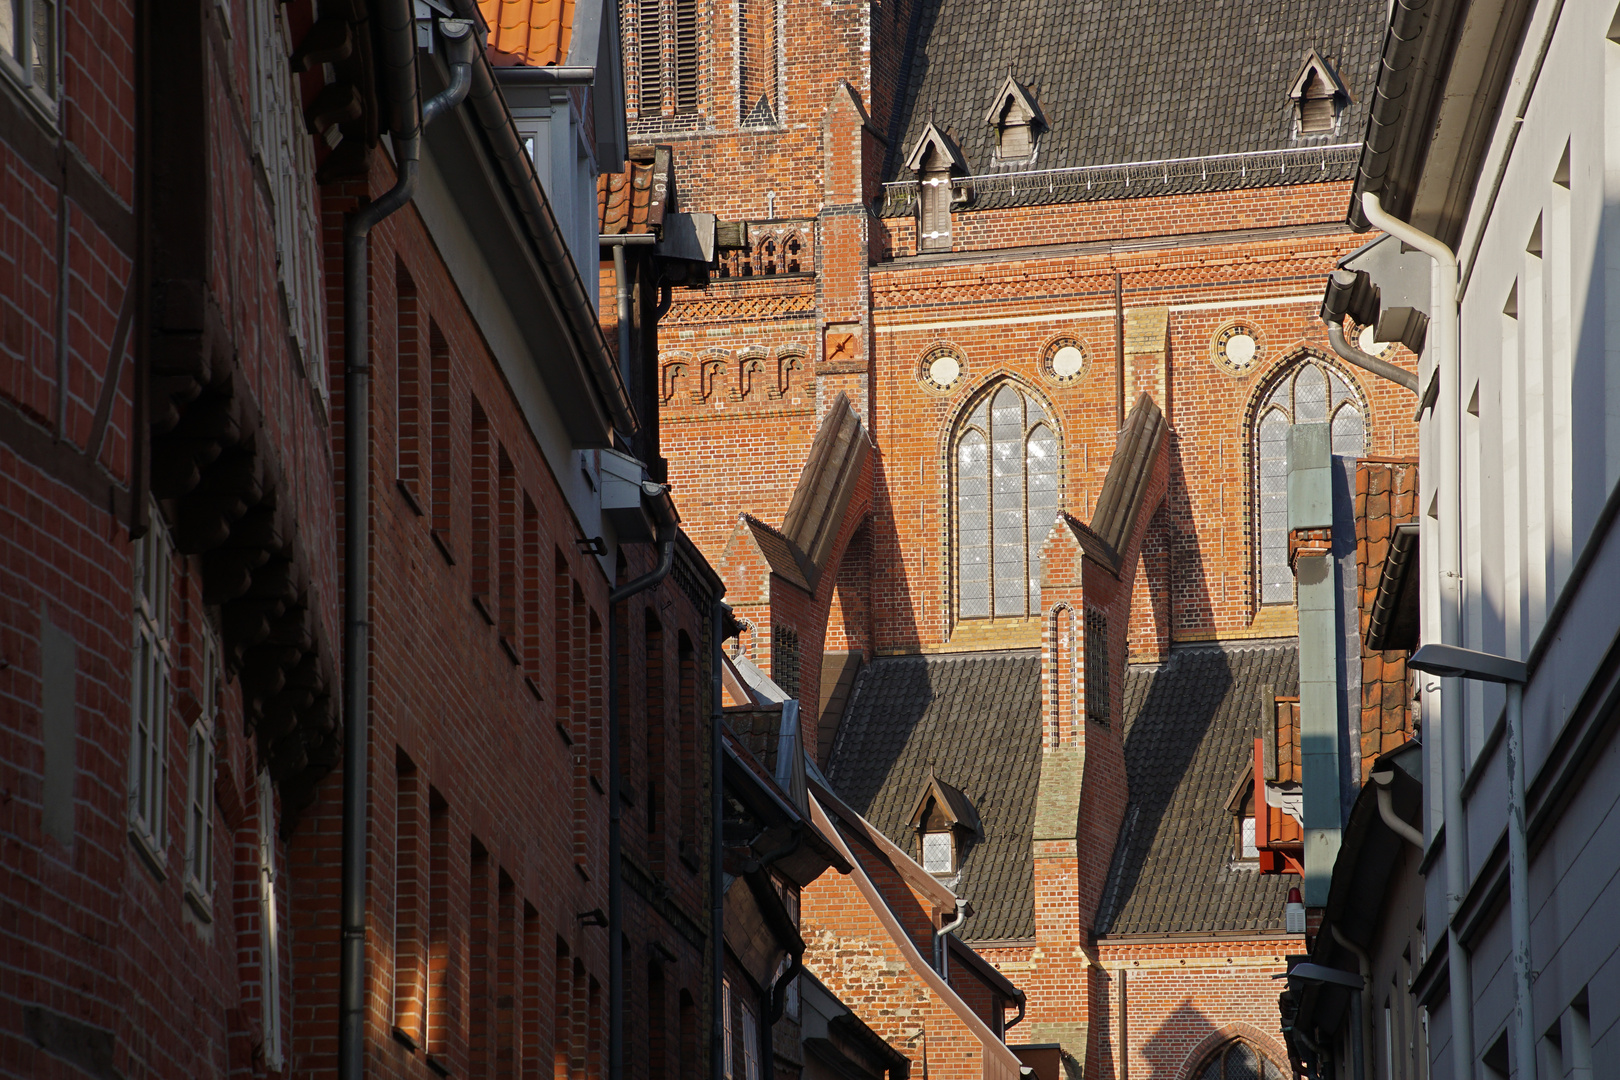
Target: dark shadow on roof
(974,720)
(1190,725)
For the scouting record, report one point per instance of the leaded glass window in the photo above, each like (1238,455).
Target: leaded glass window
(1007,460)
(1310,393)
(1237,1060)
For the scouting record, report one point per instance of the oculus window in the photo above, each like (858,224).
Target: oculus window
(1007,467)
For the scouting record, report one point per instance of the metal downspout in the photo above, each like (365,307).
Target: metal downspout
(615,927)
(942,947)
(1363,1019)
(1368,362)
(399,26)
(1448,406)
(717,884)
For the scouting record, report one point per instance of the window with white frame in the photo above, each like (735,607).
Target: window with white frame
(30,48)
(270,949)
(1307,393)
(282,144)
(726,1022)
(1006,454)
(200,782)
(750,1040)
(149,705)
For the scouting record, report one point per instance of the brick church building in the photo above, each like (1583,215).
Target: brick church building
(983,419)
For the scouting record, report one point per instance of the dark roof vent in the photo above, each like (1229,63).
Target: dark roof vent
(1319,95)
(1017,118)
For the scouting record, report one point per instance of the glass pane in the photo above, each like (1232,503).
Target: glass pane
(1341,389)
(972,528)
(1310,395)
(981,415)
(1212,1071)
(1250,851)
(1034,413)
(45,47)
(1348,437)
(1041,460)
(1008,537)
(936,848)
(1276,580)
(8,27)
(1242,1063)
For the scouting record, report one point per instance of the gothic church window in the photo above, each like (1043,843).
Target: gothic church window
(1308,393)
(1237,1060)
(1007,461)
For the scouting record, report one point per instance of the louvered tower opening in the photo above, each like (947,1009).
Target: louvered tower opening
(686,56)
(649,68)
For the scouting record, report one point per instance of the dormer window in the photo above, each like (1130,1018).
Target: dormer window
(935,159)
(946,825)
(1017,120)
(1319,96)
(938,852)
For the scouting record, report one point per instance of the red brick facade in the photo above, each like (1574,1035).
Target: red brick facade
(749,368)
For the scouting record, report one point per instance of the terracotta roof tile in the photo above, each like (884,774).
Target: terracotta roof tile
(532,33)
(633,201)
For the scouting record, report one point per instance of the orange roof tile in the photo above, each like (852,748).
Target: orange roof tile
(634,200)
(533,33)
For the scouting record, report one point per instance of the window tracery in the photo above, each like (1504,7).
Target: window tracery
(1308,393)
(1006,454)
(1238,1060)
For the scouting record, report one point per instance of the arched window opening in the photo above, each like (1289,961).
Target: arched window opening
(1310,393)
(1238,1060)
(1007,462)
(793,248)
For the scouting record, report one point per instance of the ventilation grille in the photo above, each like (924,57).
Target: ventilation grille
(686,56)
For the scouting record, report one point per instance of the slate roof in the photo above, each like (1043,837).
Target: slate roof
(975,720)
(1190,726)
(778,551)
(1133,80)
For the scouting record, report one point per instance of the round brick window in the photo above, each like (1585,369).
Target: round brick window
(941,370)
(1064,360)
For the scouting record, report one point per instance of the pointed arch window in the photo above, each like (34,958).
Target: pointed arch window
(1308,393)
(1238,1060)
(1007,466)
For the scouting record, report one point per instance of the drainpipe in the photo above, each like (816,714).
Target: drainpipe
(621,281)
(717,882)
(398,61)
(942,948)
(1362,1020)
(1367,361)
(666,559)
(1386,811)
(1443,327)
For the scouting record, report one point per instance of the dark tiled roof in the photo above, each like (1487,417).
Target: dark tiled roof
(1134,80)
(1190,726)
(975,720)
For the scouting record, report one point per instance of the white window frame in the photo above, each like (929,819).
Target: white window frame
(286,155)
(199,873)
(17,54)
(149,696)
(750,1047)
(269,936)
(725,1005)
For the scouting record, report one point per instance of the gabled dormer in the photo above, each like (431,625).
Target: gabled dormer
(935,160)
(946,824)
(1018,120)
(1319,96)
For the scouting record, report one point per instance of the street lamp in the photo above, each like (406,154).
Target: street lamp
(1449,661)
